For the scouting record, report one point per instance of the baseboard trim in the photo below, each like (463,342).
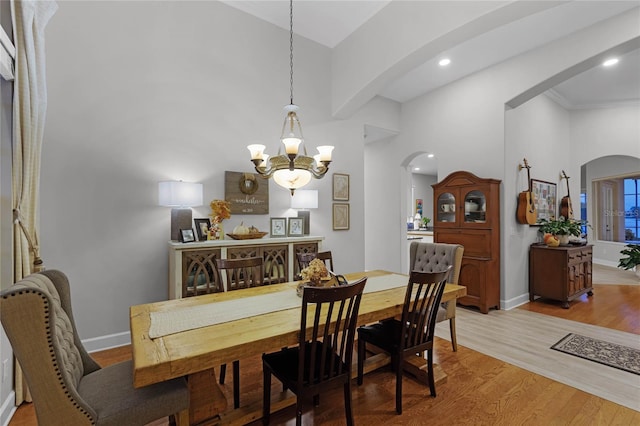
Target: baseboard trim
(514,302)
(107,342)
(8,409)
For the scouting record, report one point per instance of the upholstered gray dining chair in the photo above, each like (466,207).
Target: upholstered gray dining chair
(68,387)
(430,257)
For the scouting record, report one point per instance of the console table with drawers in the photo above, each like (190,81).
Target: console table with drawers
(560,273)
(191,265)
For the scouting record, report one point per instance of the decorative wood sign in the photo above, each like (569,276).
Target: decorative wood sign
(247,193)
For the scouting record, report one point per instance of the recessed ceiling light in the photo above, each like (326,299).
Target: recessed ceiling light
(415,169)
(610,62)
(430,155)
(444,62)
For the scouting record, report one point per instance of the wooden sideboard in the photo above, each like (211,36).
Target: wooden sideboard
(279,256)
(560,273)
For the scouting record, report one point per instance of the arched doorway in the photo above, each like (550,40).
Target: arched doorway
(419,171)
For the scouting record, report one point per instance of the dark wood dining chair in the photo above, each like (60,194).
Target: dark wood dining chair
(322,359)
(239,273)
(326,257)
(305,258)
(412,334)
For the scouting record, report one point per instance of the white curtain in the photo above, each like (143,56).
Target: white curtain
(29,111)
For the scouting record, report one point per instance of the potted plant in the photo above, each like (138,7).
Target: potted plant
(426,221)
(562,228)
(632,259)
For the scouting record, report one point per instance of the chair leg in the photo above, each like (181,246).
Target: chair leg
(347,403)
(432,381)
(399,386)
(266,395)
(361,355)
(236,384)
(454,340)
(223,373)
(298,411)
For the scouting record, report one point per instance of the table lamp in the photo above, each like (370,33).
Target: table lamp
(181,196)
(305,199)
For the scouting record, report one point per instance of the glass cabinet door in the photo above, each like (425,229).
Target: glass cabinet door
(475,207)
(446,207)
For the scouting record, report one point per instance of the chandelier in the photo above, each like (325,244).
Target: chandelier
(291,170)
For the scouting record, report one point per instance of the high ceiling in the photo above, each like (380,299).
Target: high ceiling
(330,22)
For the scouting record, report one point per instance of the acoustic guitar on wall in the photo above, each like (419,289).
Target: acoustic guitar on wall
(527,212)
(565,204)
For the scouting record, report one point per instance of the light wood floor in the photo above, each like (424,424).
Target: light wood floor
(481,390)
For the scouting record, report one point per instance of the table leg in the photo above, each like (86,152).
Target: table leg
(206,397)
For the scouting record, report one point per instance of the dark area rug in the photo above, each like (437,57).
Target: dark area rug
(611,354)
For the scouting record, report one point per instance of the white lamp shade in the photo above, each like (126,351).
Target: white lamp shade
(180,194)
(305,199)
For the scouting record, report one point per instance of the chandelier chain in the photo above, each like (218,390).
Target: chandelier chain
(291,50)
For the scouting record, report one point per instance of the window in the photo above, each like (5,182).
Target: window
(631,209)
(618,209)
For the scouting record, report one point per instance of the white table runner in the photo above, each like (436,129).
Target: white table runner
(192,317)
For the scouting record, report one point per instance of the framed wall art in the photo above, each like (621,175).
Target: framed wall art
(545,198)
(247,193)
(340,187)
(278,227)
(295,227)
(340,216)
(202,228)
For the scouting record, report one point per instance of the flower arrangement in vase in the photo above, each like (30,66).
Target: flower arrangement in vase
(313,275)
(220,210)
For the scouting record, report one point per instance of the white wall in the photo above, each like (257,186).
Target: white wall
(612,133)
(463,123)
(538,131)
(141,92)
(422,190)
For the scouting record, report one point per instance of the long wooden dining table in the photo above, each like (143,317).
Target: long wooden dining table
(196,352)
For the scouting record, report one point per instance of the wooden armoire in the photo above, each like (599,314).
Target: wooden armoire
(467,212)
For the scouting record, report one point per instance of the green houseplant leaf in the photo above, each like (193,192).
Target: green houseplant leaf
(562,226)
(632,251)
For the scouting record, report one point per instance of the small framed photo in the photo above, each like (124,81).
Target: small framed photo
(340,187)
(278,227)
(187,235)
(296,227)
(202,228)
(340,216)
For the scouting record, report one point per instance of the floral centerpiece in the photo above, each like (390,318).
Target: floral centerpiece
(220,210)
(313,275)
